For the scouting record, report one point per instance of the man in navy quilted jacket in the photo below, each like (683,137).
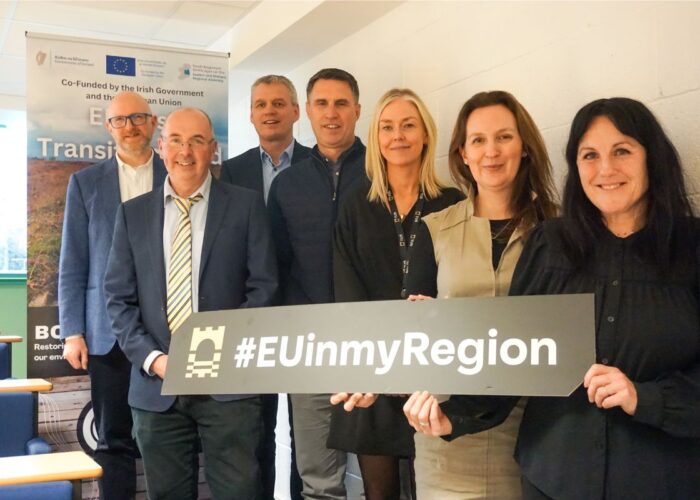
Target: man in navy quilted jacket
(303,203)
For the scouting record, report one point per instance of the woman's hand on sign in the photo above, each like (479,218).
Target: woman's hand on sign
(608,387)
(356,399)
(417,297)
(425,415)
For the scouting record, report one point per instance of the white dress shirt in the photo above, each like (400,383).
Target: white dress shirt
(134,181)
(198,219)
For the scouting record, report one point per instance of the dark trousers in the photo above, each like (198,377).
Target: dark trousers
(230,436)
(268,446)
(116,450)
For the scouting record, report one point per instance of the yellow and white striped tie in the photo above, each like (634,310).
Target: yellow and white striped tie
(179,301)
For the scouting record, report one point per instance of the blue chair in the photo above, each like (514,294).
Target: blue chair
(6,342)
(18,433)
(55,490)
(5,360)
(18,437)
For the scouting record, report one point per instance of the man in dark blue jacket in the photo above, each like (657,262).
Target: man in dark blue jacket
(303,205)
(274,108)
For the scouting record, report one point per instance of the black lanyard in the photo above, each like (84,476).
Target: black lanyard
(405,249)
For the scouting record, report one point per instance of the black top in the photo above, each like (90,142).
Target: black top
(648,326)
(366,260)
(367,266)
(501,230)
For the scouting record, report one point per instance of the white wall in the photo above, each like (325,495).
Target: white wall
(553,56)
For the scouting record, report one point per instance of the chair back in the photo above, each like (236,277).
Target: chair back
(17,414)
(5,360)
(54,490)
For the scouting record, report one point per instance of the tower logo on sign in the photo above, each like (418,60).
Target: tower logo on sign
(204,357)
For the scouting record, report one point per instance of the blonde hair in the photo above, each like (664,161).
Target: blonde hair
(375,164)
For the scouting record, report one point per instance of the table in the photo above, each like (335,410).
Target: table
(10,339)
(25,385)
(64,466)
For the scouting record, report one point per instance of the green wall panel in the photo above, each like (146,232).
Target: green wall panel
(13,321)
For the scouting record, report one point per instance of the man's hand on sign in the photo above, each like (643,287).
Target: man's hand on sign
(357,399)
(414,298)
(425,415)
(609,387)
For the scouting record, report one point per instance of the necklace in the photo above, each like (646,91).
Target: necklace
(501,229)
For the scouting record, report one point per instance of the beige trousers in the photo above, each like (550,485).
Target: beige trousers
(473,466)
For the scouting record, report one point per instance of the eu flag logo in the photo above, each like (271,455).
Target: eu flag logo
(119,65)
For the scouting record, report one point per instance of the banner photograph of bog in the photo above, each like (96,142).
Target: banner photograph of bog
(70,85)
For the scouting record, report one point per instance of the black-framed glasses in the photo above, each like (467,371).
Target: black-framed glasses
(195,143)
(135,118)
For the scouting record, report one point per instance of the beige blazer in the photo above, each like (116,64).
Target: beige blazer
(481,465)
(462,245)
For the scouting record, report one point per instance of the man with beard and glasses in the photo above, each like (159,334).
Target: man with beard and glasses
(94,194)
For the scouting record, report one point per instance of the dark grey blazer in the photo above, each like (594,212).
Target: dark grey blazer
(237,270)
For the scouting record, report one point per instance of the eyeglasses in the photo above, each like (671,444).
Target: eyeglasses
(195,143)
(136,119)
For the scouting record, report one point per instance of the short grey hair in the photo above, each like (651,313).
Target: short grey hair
(273,79)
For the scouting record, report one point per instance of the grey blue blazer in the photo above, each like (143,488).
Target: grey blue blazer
(92,201)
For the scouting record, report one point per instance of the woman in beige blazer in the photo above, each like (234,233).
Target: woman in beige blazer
(498,157)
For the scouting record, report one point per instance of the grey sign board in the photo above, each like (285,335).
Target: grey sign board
(531,346)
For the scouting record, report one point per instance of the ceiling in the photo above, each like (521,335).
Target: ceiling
(293,30)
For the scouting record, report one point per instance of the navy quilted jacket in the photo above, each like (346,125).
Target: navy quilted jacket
(303,204)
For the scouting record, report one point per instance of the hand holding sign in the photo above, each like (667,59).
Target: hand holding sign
(609,387)
(425,415)
(357,399)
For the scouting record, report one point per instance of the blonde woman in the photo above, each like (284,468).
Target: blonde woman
(369,261)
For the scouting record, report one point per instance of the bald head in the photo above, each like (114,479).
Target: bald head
(125,103)
(187,146)
(133,140)
(188,112)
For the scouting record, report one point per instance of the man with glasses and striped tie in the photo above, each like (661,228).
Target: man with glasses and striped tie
(196,244)
(94,194)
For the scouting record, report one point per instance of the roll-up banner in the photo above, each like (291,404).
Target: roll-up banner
(70,83)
